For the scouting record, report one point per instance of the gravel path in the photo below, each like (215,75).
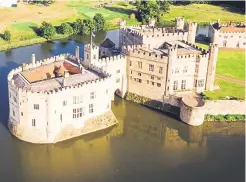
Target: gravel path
(229,79)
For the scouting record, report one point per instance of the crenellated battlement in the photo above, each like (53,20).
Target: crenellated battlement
(40,63)
(88,46)
(166,35)
(204,51)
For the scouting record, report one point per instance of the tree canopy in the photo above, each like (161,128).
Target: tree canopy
(99,22)
(7,35)
(47,30)
(151,9)
(65,28)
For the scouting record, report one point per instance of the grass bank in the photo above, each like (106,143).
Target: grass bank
(24,20)
(226,89)
(204,13)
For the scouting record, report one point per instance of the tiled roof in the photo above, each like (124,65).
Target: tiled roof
(107,43)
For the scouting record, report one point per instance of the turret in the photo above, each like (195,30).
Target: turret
(122,24)
(172,55)
(212,60)
(91,54)
(151,22)
(192,26)
(33,59)
(180,23)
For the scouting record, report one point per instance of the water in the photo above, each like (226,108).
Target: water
(144,146)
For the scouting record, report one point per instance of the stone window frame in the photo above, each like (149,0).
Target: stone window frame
(77,99)
(94,56)
(61,118)
(152,77)
(91,108)
(175,85)
(185,69)
(139,80)
(118,80)
(151,67)
(176,70)
(36,106)
(15,99)
(118,71)
(153,83)
(140,65)
(147,81)
(64,103)
(13,112)
(78,113)
(183,84)
(200,83)
(160,70)
(158,85)
(197,68)
(92,95)
(33,122)
(139,74)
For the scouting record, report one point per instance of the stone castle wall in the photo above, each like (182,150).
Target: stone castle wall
(227,39)
(53,114)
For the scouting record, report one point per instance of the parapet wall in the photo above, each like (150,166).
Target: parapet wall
(215,107)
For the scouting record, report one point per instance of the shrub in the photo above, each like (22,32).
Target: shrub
(7,35)
(209,117)
(219,117)
(230,117)
(99,22)
(65,28)
(47,30)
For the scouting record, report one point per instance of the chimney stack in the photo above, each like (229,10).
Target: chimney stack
(77,52)
(66,75)
(33,59)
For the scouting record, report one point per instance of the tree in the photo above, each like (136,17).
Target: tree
(65,28)
(47,30)
(164,5)
(147,9)
(76,27)
(99,22)
(7,35)
(87,27)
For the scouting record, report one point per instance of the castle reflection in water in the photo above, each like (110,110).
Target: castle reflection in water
(142,137)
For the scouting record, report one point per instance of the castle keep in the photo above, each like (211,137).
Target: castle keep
(229,35)
(65,96)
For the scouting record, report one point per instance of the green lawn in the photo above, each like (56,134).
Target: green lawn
(203,13)
(232,64)
(22,30)
(226,89)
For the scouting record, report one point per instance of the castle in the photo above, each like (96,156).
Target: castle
(66,96)
(229,35)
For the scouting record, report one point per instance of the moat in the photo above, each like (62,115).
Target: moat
(144,146)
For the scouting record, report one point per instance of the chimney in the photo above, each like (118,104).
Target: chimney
(23,66)
(33,59)
(66,75)
(77,52)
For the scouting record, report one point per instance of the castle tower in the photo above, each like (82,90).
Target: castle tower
(192,26)
(172,56)
(91,54)
(151,22)
(180,23)
(212,60)
(122,24)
